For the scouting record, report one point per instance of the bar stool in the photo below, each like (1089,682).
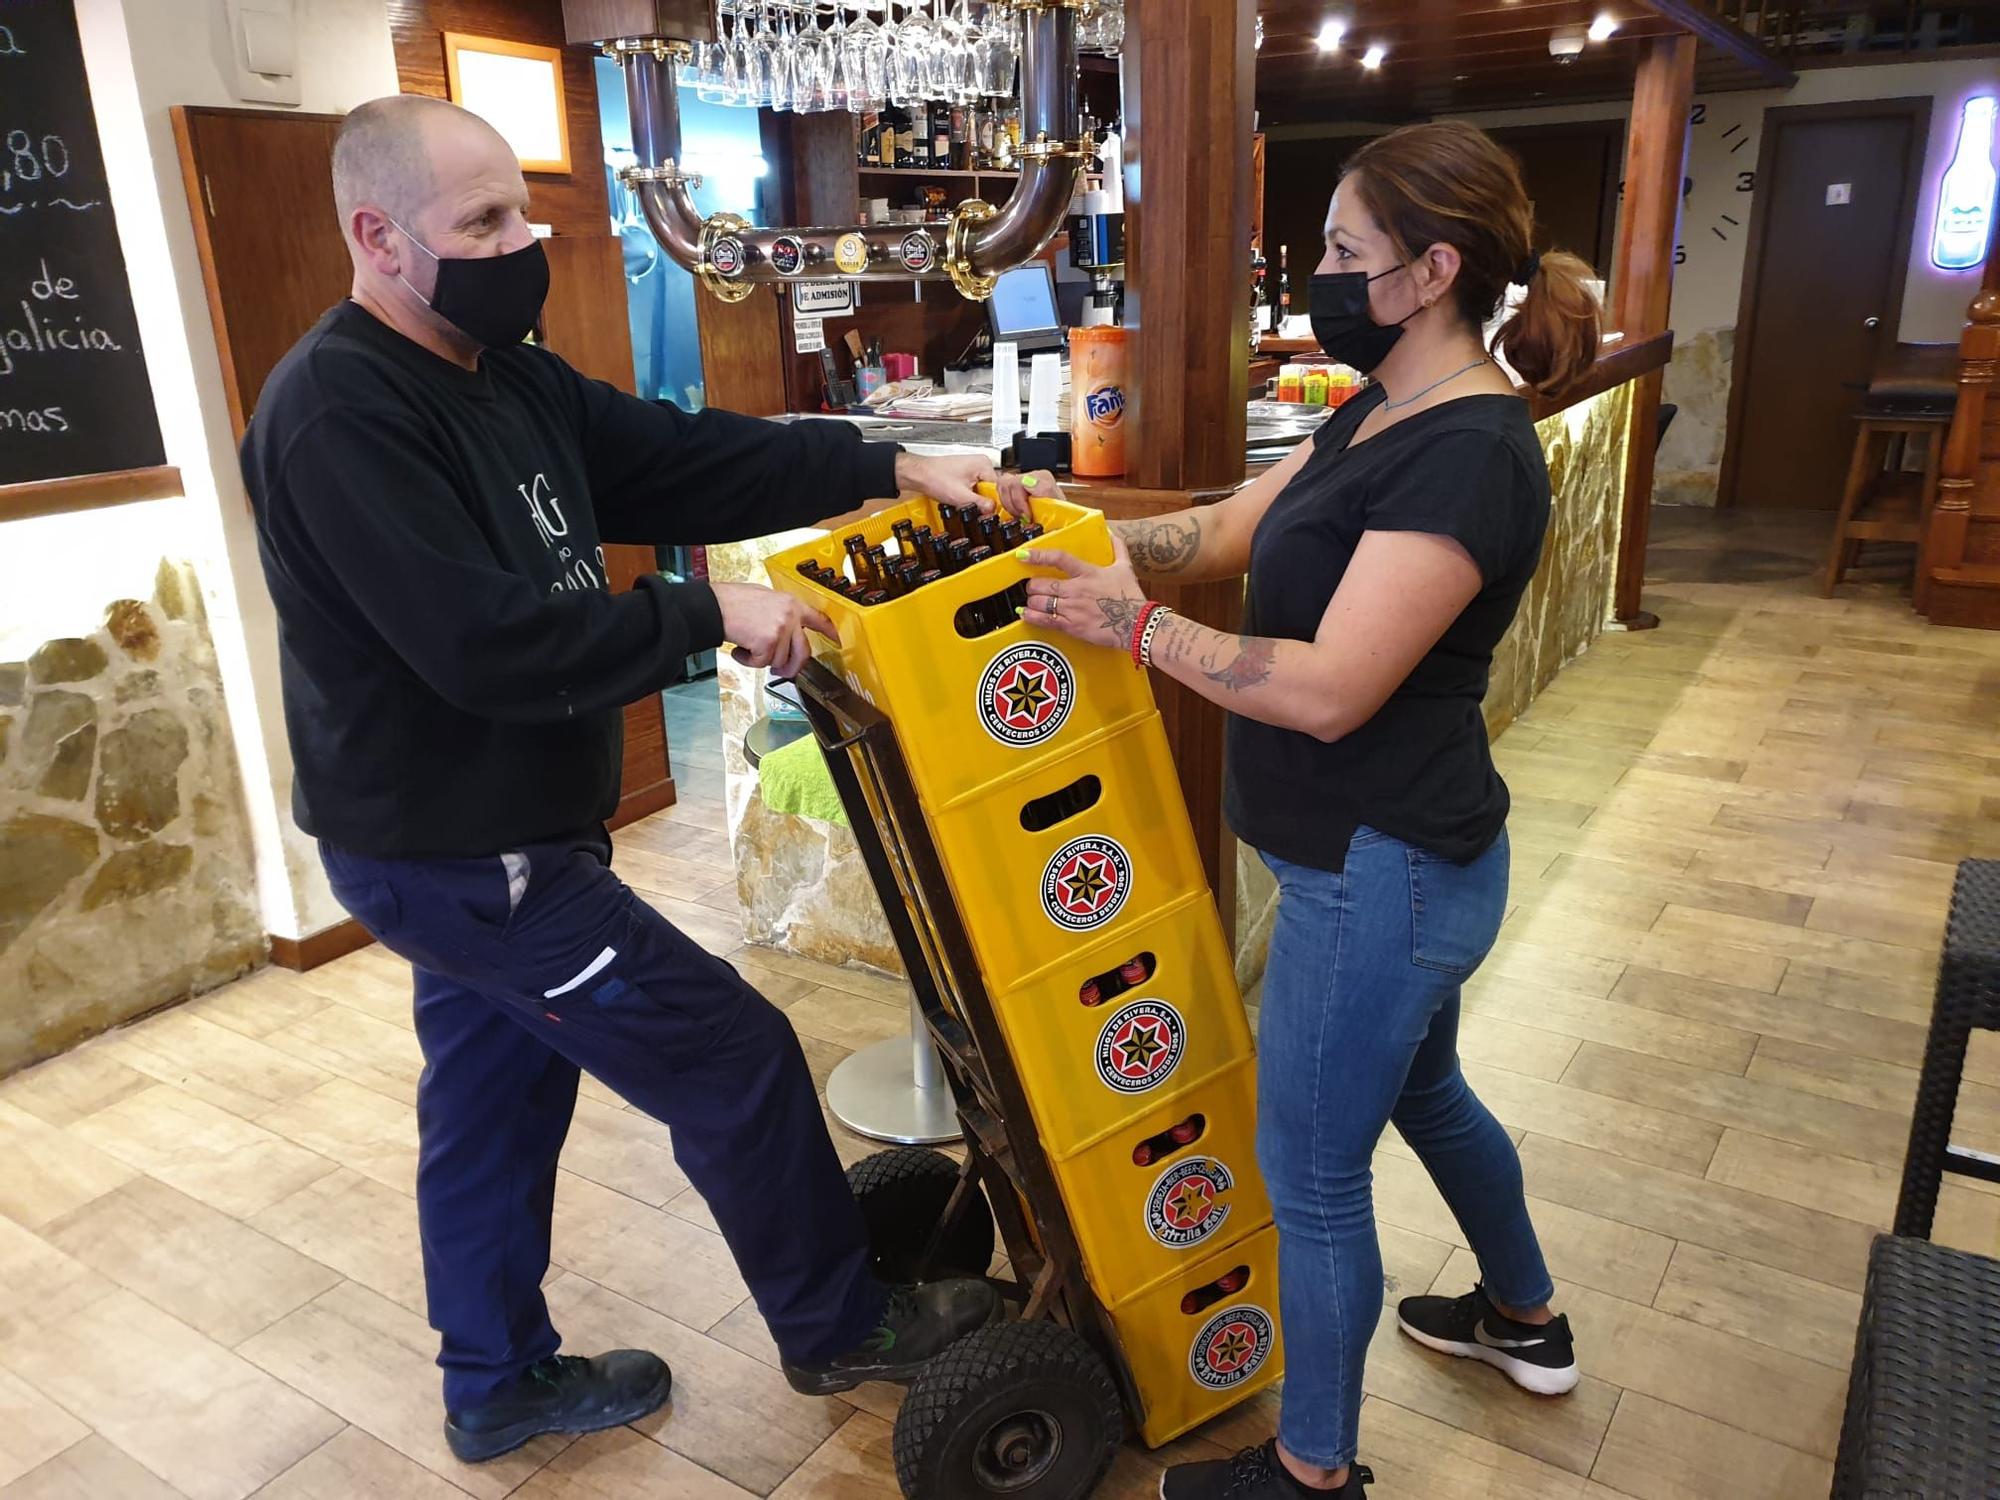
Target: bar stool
(1910,395)
(1968,995)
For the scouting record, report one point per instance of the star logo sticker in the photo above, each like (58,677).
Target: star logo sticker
(1028,695)
(1086,882)
(1141,1046)
(1087,885)
(1232,1349)
(1025,694)
(1189,1203)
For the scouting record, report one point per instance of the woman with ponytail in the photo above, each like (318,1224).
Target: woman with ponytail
(1385,561)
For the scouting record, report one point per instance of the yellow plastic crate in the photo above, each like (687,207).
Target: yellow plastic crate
(1033,897)
(1146,1202)
(1191,1362)
(1087,1069)
(970,711)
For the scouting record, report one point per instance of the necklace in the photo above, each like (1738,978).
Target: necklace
(1392,405)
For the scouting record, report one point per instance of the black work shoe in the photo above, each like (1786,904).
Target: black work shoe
(1254,1474)
(562,1393)
(1538,1357)
(921,1323)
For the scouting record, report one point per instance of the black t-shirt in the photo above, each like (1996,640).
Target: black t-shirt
(1420,769)
(453,662)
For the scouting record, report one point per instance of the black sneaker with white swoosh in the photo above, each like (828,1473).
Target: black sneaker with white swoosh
(1538,1357)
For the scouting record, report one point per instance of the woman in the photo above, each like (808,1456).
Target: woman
(1386,559)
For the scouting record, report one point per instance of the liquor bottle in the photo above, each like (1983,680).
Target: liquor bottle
(896,137)
(1284,283)
(986,143)
(961,139)
(871,138)
(920,134)
(941,145)
(1965,195)
(1260,306)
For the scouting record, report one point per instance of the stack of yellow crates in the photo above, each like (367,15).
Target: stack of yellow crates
(1044,774)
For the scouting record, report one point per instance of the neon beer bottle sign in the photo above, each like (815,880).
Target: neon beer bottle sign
(1965,197)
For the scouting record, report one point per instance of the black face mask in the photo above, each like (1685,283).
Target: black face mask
(1341,322)
(491,299)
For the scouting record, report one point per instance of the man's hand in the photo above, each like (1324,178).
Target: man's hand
(769,628)
(952,479)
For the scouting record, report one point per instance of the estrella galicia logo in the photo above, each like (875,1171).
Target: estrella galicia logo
(918,250)
(1086,882)
(1231,1347)
(1140,1045)
(726,256)
(1025,694)
(1186,1205)
(1105,405)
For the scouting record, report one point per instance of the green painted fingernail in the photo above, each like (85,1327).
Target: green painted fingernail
(1022,555)
(1030,481)
(1019,611)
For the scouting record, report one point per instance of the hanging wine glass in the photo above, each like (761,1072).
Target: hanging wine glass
(940,66)
(722,77)
(808,65)
(999,45)
(867,62)
(751,91)
(912,82)
(838,93)
(781,64)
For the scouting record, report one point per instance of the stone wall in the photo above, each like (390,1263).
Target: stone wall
(126,877)
(1697,383)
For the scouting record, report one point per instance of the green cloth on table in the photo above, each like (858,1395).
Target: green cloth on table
(796,780)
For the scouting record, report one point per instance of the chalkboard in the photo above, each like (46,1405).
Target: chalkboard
(74,396)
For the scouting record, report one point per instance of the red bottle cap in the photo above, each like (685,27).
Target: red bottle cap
(1231,1283)
(1090,994)
(1191,1303)
(1142,1155)
(1184,1132)
(1133,971)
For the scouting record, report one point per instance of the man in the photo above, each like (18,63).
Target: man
(431,495)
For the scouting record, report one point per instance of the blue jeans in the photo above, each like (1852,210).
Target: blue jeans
(1360,1028)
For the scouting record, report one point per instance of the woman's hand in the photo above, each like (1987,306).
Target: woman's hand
(1099,605)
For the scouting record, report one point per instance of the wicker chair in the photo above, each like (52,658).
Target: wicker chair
(1968,996)
(1923,1401)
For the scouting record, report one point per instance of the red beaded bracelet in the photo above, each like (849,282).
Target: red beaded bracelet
(1139,629)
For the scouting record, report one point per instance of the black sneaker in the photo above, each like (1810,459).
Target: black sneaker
(563,1393)
(1538,1357)
(921,1322)
(1253,1474)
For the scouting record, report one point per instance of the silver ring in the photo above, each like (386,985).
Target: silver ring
(1052,604)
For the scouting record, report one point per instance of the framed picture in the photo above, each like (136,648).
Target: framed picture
(516,88)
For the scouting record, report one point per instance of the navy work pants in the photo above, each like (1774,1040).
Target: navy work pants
(520,986)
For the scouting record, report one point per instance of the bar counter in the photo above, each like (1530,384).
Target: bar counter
(801,881)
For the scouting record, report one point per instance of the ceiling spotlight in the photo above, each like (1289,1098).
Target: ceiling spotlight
(1602,27)
(1330,36)
(1372,58)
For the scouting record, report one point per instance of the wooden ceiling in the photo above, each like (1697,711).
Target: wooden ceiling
(1449,56)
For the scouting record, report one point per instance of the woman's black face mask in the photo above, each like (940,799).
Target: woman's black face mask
(1346,330)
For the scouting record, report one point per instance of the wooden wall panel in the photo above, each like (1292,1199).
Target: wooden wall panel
(572,203)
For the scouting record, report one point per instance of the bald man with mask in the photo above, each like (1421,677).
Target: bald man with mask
(432,496)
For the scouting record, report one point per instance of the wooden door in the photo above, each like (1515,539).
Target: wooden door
(1822,293)
(260,187)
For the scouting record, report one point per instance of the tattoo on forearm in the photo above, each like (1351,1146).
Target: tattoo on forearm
(1251,666)
(1174,643)
(1164,546)
(1120,615)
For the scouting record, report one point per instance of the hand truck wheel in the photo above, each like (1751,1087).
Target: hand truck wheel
(1026,1410)
(903,1194)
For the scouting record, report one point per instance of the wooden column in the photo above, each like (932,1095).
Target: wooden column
(1189,84)
(1958,572)
(1642,279)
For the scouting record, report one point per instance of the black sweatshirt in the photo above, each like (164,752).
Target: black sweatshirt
(454,667)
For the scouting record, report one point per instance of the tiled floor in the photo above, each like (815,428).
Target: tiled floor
(1733,841)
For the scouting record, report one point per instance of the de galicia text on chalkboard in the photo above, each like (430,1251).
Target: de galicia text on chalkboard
(74,395)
